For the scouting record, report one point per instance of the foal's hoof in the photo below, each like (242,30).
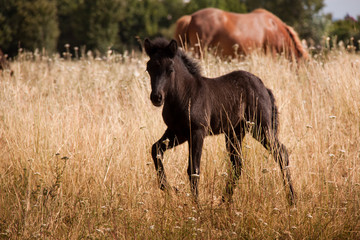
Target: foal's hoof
(218,201)
(292,201)
(169,189)
(163,187)
(226,199)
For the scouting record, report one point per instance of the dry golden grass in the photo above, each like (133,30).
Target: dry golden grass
(75,139)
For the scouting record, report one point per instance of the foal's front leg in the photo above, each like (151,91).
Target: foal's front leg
(196,142)
(167,141)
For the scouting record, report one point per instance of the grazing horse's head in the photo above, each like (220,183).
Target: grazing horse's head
(160,67)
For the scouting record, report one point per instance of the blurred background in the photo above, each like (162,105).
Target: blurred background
(118,25)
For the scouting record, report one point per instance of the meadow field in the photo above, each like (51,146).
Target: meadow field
(75,162)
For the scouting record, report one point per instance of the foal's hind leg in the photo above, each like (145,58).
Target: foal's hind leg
(281,156)
(167,141)
(233,144)
(196,142)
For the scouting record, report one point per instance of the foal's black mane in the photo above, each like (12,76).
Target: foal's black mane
(192,65)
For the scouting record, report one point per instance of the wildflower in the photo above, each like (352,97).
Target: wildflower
(192,219)
(136,74)
(276,210)
(152,227)
(249,123)
(239,214)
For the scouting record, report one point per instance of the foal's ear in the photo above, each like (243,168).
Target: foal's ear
(172,48)
(148,47)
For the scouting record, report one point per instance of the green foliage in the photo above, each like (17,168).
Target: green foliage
(147,18)
(346,29)
(28,24)
(227,5)
(103,17)
(6,30)
(119,24)
(91,23)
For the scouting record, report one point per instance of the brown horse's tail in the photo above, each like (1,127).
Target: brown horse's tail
(275,113)
(299,50)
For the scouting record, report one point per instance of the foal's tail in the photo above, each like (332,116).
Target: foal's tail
(275,114)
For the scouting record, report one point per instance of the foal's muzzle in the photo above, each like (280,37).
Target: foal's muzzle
(157,99)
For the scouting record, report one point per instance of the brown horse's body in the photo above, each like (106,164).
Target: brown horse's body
(258,29)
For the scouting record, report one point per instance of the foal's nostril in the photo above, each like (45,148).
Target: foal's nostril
(156,99)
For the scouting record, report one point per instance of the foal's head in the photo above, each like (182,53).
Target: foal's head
(160,67)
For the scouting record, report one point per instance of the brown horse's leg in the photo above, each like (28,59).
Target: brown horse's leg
(167,141)
(196,142)
(233,144)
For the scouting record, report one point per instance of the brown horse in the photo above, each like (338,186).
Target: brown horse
(195,106)
(258,29)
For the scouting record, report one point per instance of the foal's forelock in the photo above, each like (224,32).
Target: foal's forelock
(161,73)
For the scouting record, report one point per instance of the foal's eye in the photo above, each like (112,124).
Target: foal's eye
(170,70)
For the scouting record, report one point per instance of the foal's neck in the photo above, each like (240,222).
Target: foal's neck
(185,84)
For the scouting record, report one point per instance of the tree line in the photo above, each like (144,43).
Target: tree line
(118,24)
